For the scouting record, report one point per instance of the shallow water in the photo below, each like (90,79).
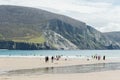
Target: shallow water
(72,53)
(88,68)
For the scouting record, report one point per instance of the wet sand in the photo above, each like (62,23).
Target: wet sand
(29,63)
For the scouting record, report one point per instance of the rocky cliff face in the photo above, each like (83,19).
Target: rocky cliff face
(30,28)
(24,46)
(57,41)
(114,36)
(84,37)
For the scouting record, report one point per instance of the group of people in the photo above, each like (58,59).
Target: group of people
(98,57)
(47,59)
(52,58)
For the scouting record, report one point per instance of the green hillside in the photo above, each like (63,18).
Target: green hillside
(51,31)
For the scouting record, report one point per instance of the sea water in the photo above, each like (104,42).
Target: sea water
(68,53)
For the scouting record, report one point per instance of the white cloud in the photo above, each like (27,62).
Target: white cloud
(102,14)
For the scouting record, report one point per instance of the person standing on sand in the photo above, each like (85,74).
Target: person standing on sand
(103,57)
(52,59)
(98,57)
(46,59)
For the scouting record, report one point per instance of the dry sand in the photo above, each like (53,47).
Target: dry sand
(28,63)
(108,75)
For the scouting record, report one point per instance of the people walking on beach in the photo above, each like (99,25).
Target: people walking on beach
(46,59)
(58,57)
(98,57)
(103,57)
(52,59)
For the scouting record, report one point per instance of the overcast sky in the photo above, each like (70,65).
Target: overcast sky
(103,15)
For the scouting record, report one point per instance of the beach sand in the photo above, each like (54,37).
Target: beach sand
(15,63)
(107,75)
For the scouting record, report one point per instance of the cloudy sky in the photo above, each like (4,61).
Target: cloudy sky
(103,15)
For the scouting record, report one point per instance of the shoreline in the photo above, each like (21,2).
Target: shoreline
(40,56)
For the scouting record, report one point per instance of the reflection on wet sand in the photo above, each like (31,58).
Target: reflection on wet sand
(67,69)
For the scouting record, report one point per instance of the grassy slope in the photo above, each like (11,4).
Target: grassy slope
(30,39)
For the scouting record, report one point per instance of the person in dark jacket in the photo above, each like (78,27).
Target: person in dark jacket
(103,57)
(46,59)
(52,59)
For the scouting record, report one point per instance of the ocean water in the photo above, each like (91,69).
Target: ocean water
(67,53)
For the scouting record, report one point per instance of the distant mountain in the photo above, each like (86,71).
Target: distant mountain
(31,28)
(114,36)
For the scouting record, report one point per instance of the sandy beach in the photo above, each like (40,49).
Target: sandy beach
(16,63)
(108,75)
